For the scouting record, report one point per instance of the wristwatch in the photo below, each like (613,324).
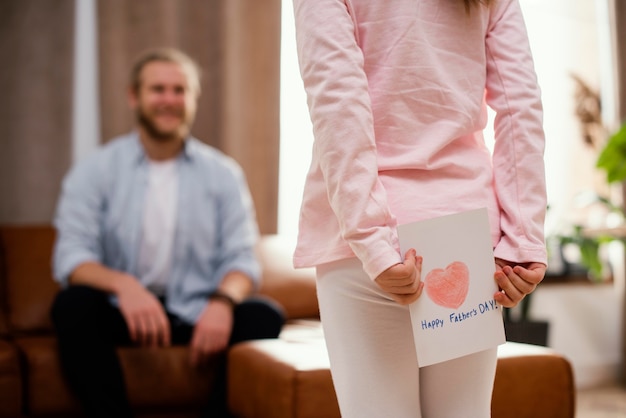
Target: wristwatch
(218,294)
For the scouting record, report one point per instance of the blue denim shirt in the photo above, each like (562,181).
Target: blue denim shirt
(99,218)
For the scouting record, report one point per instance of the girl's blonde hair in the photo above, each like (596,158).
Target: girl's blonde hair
(470,3)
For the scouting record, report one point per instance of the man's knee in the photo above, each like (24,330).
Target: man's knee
(257,318)
(76,304)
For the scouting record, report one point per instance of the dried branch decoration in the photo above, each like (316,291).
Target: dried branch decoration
(589,113)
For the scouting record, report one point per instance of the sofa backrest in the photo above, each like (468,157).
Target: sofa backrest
(26,276)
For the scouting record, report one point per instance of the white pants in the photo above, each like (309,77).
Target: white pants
(373,361)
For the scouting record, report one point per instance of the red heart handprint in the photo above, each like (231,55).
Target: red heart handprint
(448,288)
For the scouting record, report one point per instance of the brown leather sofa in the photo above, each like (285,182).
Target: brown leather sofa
(283,378)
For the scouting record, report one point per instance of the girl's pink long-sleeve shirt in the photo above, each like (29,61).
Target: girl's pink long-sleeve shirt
(397,92)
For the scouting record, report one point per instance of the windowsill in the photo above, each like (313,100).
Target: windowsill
(577,279)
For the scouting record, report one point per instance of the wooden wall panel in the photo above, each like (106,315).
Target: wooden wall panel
(251,98)
(126,28)
(36,40)
(237,43)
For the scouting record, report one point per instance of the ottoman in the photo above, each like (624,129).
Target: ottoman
(289,377)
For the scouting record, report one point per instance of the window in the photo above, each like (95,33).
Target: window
(565,38)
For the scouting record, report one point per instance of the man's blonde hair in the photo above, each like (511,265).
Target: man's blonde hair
(166,55)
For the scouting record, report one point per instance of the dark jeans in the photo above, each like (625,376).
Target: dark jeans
(89,329)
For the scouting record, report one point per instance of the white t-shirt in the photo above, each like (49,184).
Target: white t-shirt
(159,224)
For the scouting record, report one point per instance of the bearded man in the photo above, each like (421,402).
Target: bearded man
(155,245)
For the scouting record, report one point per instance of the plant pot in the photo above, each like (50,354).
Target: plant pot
(529,332)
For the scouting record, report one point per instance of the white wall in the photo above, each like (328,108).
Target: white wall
(296,131)
(585,325)
(86,113)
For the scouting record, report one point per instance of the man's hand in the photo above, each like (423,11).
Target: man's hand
(212,331)
(403,281)
(516,281)
(146,319)
(144,315)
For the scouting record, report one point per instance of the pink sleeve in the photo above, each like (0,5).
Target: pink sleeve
(519,172)
(331,65)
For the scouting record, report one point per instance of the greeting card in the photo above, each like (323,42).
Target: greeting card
(456,314)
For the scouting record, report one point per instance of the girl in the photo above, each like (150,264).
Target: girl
(397,92)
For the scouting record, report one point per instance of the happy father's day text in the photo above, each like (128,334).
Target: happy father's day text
(456,317)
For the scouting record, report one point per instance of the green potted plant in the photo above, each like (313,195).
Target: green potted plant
(612,160)
(521,329)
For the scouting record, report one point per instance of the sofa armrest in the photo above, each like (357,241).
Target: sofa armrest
(27,277)
(292,288)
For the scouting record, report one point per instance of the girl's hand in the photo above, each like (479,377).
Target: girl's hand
(403,281)
(516,281)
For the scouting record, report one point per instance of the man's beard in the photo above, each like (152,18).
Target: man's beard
(162,136)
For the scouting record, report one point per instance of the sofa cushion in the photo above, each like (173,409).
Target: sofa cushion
(47,392)
(27,276)
(157,379)
(10,381)
(293,288)
(164,378)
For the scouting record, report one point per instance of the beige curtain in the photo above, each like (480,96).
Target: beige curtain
(36,40)
(237,43)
